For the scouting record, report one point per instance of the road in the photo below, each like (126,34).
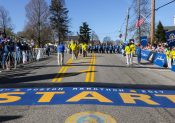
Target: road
(96,70)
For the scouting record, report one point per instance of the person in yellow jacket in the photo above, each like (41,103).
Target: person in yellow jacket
(80,49)
(69,48)
(128,54)
(173,55)
(132,49)
(84,49)
(73,48)
(168,57)
(77,49)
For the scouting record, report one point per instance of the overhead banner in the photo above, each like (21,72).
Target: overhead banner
(160,59)
(144,41)
(87,95)
(170,38)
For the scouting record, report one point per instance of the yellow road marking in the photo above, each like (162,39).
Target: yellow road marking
(60,71)
(64,71)
(88,75)
(93,70)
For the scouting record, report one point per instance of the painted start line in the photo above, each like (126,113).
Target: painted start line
(87,95)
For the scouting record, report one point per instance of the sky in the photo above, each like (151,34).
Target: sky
(105,17)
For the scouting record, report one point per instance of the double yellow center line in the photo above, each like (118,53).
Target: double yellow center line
(90,76)
(62,71)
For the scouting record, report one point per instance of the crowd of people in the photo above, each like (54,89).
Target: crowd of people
(17,52)
(165,49)
(21,52)
(104,48)
(77,49)
(132,49)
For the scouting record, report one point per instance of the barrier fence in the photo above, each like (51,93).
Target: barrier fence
(156,58)
(22,57)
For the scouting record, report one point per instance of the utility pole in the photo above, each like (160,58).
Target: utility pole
(139,29)
(127,20)
(152,31)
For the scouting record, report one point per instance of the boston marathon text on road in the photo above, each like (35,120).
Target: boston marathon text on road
(101,96)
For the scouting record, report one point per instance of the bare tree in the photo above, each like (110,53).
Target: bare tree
(94,36)
(5,21)
(37,13)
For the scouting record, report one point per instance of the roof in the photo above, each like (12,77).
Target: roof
(69,38)
(169,28)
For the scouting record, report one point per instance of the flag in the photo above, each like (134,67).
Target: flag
(139,22)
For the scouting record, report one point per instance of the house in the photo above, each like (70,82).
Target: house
(74,38)
(169,28)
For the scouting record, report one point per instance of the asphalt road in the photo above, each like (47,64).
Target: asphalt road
(104,69)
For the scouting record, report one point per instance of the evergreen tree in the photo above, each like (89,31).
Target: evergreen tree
(59,19)
(160,33)
(84,33)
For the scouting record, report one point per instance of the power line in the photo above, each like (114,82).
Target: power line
(160,8)
(164,5)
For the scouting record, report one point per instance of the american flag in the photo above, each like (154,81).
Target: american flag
(139,22)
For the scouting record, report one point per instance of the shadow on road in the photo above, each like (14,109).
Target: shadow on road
(16,78)
(99,65)
(89,84)
(8,118)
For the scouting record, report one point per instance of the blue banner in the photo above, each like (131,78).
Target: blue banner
(160,59)
(87,95)
(170,38)
(173,66)
(1,40)
(145,54)
(144,41)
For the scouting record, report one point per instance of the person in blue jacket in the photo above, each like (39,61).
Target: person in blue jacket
(60,52)
(138,53)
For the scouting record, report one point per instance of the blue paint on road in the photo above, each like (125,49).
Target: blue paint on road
(78,95)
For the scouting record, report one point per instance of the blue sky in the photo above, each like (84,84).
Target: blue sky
(105,17)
